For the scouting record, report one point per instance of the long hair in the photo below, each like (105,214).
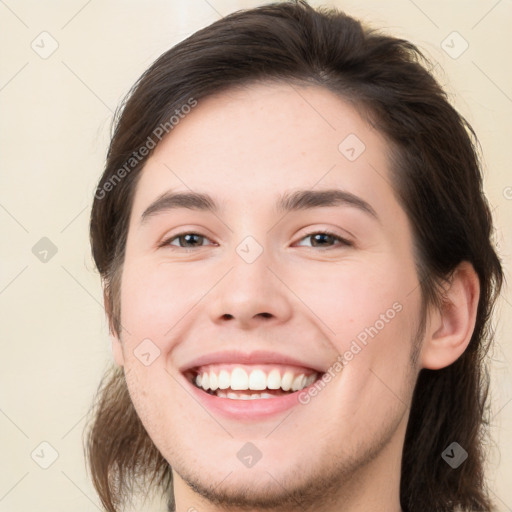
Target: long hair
(436,177)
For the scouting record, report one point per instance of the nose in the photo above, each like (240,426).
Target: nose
(251,294)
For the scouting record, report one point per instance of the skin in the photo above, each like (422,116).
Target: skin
(342,450)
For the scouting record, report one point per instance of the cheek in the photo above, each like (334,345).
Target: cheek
(369,312)
(148,388)
(154,298)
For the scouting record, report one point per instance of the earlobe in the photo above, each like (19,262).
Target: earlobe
(450,329)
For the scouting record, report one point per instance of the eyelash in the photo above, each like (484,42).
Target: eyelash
(167,242)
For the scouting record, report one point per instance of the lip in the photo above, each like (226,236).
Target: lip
(247,410)
(247,358)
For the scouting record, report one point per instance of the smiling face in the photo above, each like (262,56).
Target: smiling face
(296,271)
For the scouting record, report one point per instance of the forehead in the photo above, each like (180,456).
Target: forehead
(248,145)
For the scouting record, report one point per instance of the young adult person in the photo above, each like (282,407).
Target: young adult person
(299,274)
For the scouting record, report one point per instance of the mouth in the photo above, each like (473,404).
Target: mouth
(251,382)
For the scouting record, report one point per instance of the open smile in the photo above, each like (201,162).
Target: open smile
(245,391)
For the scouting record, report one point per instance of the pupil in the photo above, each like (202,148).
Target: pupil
(322,236)
(188,238)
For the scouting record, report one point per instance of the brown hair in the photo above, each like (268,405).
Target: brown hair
(437,180)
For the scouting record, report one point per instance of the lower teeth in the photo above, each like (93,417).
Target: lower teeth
(245,396)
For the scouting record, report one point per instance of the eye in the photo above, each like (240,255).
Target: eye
(191,240)
(325,239)
(185,241)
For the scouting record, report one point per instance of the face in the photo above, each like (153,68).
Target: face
(297,313)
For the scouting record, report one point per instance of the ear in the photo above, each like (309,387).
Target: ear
(450,329)
(117,345)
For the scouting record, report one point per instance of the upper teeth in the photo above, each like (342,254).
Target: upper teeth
(239,379)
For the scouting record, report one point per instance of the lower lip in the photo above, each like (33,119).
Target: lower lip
(254,409)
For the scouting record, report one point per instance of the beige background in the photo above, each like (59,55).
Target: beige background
(54,129)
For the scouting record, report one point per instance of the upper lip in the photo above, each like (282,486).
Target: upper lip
(255,357)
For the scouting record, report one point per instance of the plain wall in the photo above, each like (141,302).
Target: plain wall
(54,130)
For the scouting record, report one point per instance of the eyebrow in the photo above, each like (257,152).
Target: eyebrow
(290,201)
